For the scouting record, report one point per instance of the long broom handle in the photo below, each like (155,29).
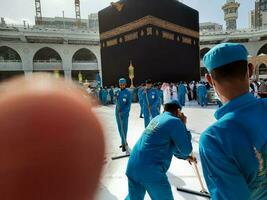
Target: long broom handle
(198,176)
(149,111)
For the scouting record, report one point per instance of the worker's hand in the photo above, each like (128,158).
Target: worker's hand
(192,159)
(182,117)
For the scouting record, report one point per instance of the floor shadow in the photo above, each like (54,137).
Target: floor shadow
(178,182)
(105,194)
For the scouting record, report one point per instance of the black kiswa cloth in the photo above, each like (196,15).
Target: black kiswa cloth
(160,37)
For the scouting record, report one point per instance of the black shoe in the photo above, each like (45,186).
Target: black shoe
(123,149)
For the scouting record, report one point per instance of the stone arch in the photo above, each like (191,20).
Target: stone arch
(47,59)
(262,69)
(262,50)
(9,54)
(84,54)
(47,54)
(85,64)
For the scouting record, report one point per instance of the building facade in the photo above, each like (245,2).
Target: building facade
(68,52)
(210,26)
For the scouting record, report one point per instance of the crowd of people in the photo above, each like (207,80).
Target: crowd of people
(182,92)
(258,88)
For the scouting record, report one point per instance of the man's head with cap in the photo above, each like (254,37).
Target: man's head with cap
(175,108)
(174,103)
(149,83)
(228,68)
(122,83)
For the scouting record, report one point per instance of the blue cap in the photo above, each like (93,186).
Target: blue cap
(122,81)
(176,103)
(223,54)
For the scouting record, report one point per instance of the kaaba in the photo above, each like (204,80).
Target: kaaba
(159,37)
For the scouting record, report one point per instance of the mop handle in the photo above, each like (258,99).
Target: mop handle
(198,176)
(149,111)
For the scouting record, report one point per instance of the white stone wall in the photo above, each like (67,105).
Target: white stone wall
(66,52)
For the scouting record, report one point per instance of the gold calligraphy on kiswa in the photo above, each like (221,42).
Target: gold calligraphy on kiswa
(148,21)
(131,36)
(149,31)
(167,35)
(186,40)
(112,42)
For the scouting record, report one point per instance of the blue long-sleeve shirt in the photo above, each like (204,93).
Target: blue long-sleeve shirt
(201,90)
(139,93)
(165,136)
(182,89)
(123,101)
(233,151)
(151,98)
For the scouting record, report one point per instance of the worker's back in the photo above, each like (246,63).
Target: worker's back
(241,132)
(152,154)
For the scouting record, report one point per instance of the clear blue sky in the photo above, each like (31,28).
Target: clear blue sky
(16,10)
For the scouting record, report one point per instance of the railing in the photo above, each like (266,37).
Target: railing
(47,61)
(10,61)
(234,32)
(85,61)
(85,66)
(43,28)
(10,65)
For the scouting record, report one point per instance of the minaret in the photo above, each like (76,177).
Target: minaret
(230,9)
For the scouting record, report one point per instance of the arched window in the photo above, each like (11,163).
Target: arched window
(84,55)
(263,50)
(47,54)
(9,54)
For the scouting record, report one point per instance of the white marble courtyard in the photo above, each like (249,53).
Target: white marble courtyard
(113,185)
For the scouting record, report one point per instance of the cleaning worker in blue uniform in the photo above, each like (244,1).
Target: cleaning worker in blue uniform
(105,96)
(160,94)
(140,99)
(233,150)
(181,93)
(123,107)
(111,94)
(100,95)
(165,136)
(202,94)
(151,101)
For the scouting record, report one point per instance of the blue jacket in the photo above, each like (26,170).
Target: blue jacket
(202,90)
(111,92)
(181,89)
(151,98)
(123,101)
(165,136)
(232,148)
(139,93)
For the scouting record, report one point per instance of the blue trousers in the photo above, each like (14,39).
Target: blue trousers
(147,117)
(203,100)
(156,190)
(141,107)
(122,123)
(112,99)
(181,99)
(104,100)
